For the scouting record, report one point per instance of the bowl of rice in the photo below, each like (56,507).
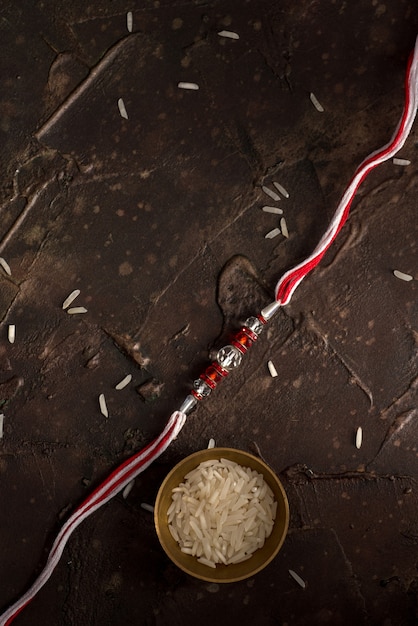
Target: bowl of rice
(221,515)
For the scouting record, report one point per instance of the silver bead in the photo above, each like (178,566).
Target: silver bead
(201,388)
(229,357)
(254,324)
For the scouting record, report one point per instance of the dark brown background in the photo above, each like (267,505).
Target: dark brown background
(157,220)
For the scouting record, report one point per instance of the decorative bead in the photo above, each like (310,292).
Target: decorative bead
(229,357)
(201,389)
(250,334)
(242,341)
(254,324)
(188,404)
(213,374)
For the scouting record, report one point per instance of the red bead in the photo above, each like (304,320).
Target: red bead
(209,381)
(239,346)
(242,341)
(251,334)
(213,374)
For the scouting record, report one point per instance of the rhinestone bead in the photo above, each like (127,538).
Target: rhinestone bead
(201,388)
(254,324)
(229,357)
(213,374)
(242,341)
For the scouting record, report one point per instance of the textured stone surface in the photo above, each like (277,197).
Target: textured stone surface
(157,220)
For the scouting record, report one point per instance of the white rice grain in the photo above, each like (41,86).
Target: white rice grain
(77,309)
(216,515)
(229,34)
(403,162)
(298,579)
(402,275)
(318,106)
(1,425)
(70,299)
(128,489)
(359,437)
(103,405)
(211,444)
(147,507)
(122,109)
(185,85)
(283,227)
(129,21)
(174,533)
(11,333)
(281,189)
(5,266)
(272,209)
(272,233)
(272,194)
(124,382)
(272,369)
(207,562)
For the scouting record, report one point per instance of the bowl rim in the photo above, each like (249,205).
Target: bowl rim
(220,575)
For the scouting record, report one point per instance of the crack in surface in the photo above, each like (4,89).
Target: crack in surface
(412,387)
(302,474)
(110,58)
(313,326)
(393,431)
(23,215)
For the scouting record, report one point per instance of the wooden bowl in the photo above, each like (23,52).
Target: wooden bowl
(222,573)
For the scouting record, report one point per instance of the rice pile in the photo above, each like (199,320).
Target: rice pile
(222,512)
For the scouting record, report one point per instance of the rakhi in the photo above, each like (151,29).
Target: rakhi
(230,356)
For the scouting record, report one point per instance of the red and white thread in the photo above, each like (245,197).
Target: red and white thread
(113,484)
(285,288)
(291,279)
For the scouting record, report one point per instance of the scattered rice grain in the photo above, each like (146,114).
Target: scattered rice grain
(129,21)
(11,333)
(272,369)
(272,233)
(124,382)
(1,425)
(229,34)
(185,85)
(103,405)
(270,193)
(402,275)
(128,489)
(404,162)
(77,309)
(283,227)
(5,266)
(211,444)
(147,507)
(282,190)
(122,109)
(272,209)
(298,579)
(69,299)
(359,437)
(318,106)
